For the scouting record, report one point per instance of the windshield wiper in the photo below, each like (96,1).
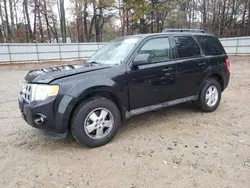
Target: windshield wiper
(94,62)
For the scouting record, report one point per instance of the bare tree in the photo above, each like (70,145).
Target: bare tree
(27,17)
(79,20)
(85,21)
(96,20)
(3,33)
(3,21)
(15,11)
(9,36)
(11,13)
(47,20)
(35,19)
(40,20)
(248,18)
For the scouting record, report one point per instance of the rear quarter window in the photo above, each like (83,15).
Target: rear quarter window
(210,45)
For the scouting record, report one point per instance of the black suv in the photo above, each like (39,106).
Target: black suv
(129,76)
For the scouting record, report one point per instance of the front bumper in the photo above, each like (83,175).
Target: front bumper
(49,115)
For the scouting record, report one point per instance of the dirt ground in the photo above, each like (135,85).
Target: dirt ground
(176,147)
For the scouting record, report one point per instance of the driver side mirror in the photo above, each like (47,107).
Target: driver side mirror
(142,59)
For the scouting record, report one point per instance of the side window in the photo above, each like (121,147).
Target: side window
(210,45)
(187,47)
(159,49)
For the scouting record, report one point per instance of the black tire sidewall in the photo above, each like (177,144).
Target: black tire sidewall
(82,112)
(202,97)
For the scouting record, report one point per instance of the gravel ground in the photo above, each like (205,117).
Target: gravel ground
(175,147)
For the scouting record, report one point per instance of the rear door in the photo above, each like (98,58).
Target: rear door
(214,51)
(192,65)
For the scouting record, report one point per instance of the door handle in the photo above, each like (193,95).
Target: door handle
(202,64)
(167,69)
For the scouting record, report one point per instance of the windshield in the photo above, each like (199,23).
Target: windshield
(115,51)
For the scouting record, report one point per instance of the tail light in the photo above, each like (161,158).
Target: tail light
(227,64)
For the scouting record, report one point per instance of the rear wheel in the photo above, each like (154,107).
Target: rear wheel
(210,96)
(95,122)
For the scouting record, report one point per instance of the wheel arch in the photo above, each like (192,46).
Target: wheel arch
(218,77)
(100,91)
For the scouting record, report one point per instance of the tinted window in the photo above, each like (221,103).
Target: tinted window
(159,49)
(187,47)
(210,45)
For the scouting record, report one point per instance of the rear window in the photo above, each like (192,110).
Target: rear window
(187,47)
(210,45)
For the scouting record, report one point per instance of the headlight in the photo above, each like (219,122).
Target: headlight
(42,92)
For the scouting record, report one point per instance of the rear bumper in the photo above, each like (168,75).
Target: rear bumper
(48,115)
(226,80)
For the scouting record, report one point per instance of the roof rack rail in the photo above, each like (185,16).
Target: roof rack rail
(183,30)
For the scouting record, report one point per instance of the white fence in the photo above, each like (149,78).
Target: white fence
(15,52)
(236,45)
(22,52)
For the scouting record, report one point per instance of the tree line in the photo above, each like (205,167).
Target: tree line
(102,20)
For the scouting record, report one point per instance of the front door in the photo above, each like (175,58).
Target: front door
(154,82)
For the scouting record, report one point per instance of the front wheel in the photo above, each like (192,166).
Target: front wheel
(210,96)
(95,122)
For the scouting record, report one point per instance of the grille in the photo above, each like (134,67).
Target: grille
(26,93)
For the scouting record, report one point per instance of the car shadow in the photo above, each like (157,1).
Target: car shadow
(146,120)
(149,119)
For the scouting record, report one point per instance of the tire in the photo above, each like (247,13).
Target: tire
(88,116)
(203,102)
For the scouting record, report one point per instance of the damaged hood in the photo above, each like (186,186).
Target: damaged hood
(47,75)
